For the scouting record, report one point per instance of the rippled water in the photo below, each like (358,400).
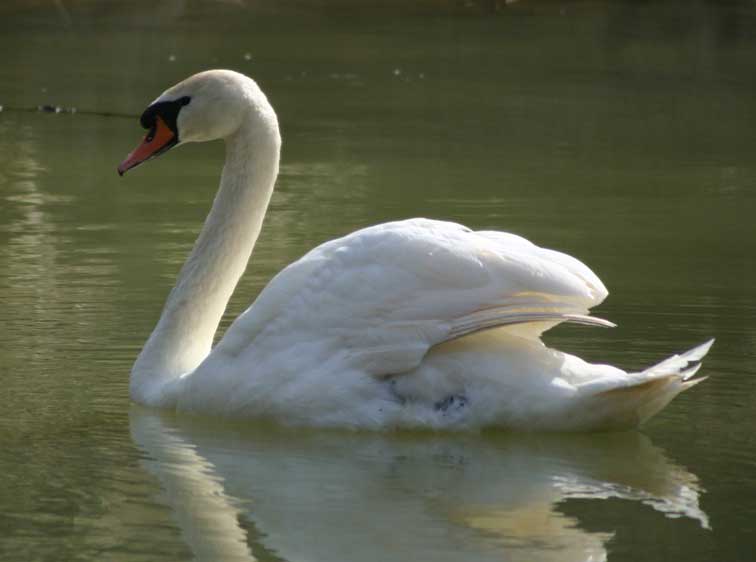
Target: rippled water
(622,133)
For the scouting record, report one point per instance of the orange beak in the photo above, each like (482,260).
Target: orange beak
(158,140)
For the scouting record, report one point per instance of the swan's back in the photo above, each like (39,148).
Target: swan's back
(412,275)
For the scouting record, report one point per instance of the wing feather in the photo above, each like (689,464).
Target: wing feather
(382,296)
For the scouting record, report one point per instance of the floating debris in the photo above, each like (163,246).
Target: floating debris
(55,109)
(247,56)
(171,58)
(59,109)
(397,72)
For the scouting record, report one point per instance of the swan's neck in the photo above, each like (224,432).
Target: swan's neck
(184,334)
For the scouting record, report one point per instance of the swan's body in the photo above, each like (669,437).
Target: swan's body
(389,326)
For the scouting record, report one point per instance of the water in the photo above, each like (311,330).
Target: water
(622,133)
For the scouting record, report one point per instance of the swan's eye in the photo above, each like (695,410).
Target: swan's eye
(148,118)
(167,110)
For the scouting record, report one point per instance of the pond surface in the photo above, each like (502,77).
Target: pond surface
(621,133)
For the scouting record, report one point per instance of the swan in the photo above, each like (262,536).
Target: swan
(415,323)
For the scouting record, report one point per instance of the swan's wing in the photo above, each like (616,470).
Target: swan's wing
(382,296)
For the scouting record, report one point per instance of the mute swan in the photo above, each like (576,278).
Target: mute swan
(390,326)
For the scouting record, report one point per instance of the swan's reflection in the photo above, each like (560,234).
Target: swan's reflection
(272,494)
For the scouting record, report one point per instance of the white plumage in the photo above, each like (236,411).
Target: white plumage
(417,323)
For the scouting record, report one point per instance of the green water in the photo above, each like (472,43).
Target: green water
(621,133)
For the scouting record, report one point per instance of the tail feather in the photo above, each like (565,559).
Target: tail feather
(690,372)
(648,392)
(679,364)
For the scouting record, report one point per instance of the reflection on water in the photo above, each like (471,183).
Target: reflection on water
(244,493)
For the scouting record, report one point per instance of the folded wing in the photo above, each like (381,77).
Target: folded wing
(380,297)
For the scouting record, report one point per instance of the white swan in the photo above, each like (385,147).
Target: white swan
(390,326)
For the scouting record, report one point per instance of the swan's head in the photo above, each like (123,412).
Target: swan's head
(207,106)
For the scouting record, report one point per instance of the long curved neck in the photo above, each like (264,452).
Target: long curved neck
(184,334)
